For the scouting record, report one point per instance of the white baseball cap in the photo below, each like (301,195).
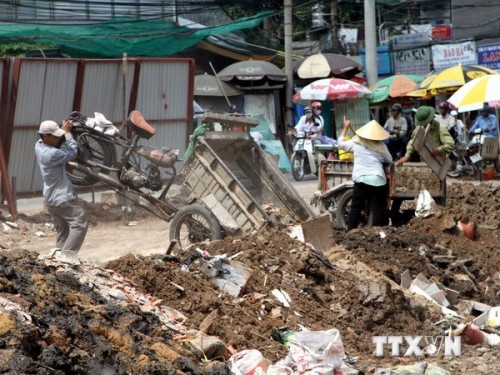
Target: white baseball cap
(51,127)
(453,113)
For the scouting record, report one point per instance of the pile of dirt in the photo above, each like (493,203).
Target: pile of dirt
(479,202)
(354,288)
(53,323)
(323,296)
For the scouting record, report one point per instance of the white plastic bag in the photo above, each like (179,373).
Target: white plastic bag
(101,124)
(248,362)
(426,206)
(316,352)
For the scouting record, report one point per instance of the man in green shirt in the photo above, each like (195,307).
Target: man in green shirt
(441,135)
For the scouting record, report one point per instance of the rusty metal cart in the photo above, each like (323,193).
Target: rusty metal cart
(232,182)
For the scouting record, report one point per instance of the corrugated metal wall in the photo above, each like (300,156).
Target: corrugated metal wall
(52,88)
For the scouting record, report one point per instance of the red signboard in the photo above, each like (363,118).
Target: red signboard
(441,32)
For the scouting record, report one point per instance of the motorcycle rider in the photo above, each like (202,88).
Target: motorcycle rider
(487,122)
(311,126)
(316,107)
(397,127)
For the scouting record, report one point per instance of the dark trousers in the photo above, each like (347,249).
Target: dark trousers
(395,147)
(376,197)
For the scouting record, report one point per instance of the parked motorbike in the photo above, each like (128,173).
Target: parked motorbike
(146,171)
(467,158)
(307,157)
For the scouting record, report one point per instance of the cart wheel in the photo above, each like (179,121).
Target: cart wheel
(192,224)
(344,209)
(297,167)
(91,150)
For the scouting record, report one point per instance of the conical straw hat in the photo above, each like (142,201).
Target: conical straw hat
(373,131)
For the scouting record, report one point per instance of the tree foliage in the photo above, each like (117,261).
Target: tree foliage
(19,49)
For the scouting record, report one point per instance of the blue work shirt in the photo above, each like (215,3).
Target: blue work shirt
(57,188)
(483,123)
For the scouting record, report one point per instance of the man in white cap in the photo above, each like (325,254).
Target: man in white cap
(370,182)
(59,195)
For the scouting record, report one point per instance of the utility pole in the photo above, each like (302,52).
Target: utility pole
(287,5)
(370,42)
(334,26)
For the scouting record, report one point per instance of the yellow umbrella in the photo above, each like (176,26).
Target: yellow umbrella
(475,93)
(421,89)
(450,79)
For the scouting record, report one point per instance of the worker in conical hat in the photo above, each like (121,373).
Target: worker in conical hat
(370,182)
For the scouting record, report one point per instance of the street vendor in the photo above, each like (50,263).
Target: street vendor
(370,182)
(441,135)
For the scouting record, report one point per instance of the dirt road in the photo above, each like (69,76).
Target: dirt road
(139,233)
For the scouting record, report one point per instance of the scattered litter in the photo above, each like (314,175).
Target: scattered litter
(282,296)
(426,206)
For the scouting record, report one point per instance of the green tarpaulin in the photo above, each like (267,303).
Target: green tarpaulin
(138,38)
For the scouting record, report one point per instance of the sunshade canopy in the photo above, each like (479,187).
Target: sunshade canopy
(208,85)
(252,70)
(474,94)
(323,65)
(331,89)
(450,80)
(395,86)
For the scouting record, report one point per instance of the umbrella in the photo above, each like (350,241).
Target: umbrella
(252,70)
(207,85)
(394,87)
(475,93)
(451,79)
(331,89)
(323,65)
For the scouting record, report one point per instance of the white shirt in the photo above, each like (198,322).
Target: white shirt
(315,126)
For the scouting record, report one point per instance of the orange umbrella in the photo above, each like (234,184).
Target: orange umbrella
(394,87)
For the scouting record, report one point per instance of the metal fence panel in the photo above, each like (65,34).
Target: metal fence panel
(103,89)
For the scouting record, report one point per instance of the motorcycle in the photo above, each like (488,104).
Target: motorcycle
(146,171)
(467,158)
(307,157)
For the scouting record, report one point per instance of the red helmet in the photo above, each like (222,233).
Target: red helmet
(316,105)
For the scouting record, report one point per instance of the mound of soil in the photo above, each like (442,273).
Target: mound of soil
(61,325)
(323,296)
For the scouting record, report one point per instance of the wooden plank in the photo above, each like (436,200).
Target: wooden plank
(229,119)
(424,145)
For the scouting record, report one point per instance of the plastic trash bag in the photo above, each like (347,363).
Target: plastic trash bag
(426,206)
(316,352)
(248,362)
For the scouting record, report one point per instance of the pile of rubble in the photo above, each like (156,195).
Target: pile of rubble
(218,305)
